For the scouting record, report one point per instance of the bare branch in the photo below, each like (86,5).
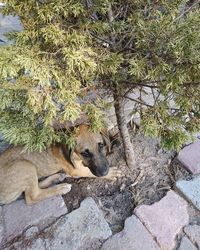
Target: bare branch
(111,19)
(101,39)
(138,101)
(110,14)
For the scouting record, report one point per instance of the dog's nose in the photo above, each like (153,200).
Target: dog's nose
(104,172)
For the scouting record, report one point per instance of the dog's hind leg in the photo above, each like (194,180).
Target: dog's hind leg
(35,194)
(53,179)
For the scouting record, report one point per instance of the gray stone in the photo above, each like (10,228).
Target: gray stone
(193,232)
(1,137)
(186,244)
(18,216)
(128,108)
(191,190)
(3,145)
(189,156)
(165,219)
(7,24)
(78,230)
(30,232)
(134,237)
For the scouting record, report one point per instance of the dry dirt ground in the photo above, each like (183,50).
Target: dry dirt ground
(154,174)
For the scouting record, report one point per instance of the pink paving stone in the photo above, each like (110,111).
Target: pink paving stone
(18,216)
(165,219)
(189,156)
(193,232)
(134,237)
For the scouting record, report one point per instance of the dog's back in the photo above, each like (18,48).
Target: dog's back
(10,155)
(45,162)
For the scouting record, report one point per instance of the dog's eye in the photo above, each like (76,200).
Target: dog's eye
(86,153)
(101,145)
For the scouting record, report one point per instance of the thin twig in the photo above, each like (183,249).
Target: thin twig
(51,53)
(186,11)
(100,38)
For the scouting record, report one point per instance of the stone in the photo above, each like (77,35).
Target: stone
(30,232)
(165,219)
(18,216)
(3,146)
(193,232)
(189,156)
(186,244)
(133,237)
(7,24)
(78,230)
(128,108)
(191,190)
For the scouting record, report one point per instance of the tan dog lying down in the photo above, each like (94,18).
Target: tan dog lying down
(19,172)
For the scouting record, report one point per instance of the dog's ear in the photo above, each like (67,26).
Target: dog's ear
(68,154)
(106,138)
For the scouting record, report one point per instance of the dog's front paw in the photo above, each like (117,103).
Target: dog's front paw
(65,188)
(114,173)
(61,177)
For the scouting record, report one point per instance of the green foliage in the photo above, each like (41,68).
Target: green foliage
(68,48)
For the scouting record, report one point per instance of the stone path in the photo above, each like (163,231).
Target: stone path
(167,224)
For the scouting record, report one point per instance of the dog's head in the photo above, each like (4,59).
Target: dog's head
(91,148)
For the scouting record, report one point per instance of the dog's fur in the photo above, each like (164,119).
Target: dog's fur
(19,172)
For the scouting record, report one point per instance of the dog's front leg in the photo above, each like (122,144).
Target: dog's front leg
(53,179)
(81,172)
(113,174)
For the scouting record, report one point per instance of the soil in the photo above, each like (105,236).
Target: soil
(155,173)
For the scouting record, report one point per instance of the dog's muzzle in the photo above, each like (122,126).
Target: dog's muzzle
(99,171)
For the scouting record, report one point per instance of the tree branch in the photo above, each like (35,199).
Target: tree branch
(138,101)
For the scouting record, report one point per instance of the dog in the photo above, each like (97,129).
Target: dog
(20,171)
